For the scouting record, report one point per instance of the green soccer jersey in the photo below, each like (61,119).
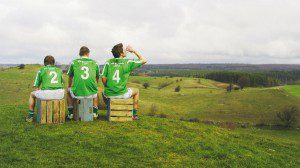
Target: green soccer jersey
(117,71)
(85,71)
(50,77)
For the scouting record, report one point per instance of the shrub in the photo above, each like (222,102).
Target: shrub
(136,81)
(162,85)
(177,89)
(153,110)
(288,115)
(243,81)
(230,87)
(21,66)
(163,115)
(146,85)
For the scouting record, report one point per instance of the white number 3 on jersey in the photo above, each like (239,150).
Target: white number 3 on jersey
(116,76)
(86,72)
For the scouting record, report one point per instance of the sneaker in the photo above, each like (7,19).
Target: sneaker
(95,116)
(135,118)
(69,117)
(29,119)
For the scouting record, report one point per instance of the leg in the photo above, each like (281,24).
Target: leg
(135,95)
(69,99)
(31,101)
(95,106)
(32,98)
(95,101)
(70,105)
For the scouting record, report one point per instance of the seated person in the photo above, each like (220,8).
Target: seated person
(115,75)
(50,78)
(83,81)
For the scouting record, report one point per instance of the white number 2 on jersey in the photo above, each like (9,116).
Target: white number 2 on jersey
(53,80)
(86,72)
(116,76)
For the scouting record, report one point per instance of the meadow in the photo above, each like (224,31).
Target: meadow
(163,137)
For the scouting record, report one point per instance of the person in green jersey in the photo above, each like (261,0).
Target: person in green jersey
(116,72)
(50,79)
(83,80)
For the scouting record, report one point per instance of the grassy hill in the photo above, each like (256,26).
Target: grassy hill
(152,141)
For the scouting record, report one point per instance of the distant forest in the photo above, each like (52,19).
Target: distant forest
(247,75)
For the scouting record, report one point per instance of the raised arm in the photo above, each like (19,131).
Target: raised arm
(143,59)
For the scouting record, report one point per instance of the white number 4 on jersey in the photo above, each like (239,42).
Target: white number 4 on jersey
(116,76)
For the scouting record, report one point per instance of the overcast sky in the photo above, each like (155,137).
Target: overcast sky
(164,31)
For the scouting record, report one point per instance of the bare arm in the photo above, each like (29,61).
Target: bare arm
(70,81)
(143,59)
(35,88)
(104,80)
(97,79)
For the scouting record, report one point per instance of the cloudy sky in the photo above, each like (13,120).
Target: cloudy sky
(164,31)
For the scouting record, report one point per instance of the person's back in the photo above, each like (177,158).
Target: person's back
(84,71)
(83,80)
(117,72)
(115,75)
(48,85)
(50,77)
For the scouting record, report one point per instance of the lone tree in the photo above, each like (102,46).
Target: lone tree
(243,81)
(146,85)
(287,115)
(21,66)
(177,89)
(229,87)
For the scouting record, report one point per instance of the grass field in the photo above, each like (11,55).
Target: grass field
(152,141)
(293,89)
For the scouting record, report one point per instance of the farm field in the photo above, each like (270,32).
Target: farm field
(160,140)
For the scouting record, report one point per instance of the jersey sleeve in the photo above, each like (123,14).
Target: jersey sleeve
(105,70)
(71,70)
(133,64)
(38,79)
(61,76)
(97,70)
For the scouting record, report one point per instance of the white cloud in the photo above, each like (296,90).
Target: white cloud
(165,31)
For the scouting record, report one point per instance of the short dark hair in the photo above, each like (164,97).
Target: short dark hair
(84,51)
(49,60)
(117,50)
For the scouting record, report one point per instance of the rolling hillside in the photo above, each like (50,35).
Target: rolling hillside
(151,141)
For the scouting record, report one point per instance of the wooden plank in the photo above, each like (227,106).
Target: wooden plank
(43,110)
(56,111)
(120,119)
(49,111)
(121,107)
(121,101)
(62,111)
(121,113)
(76,110)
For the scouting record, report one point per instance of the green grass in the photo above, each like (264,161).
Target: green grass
(293,89)
(152,141)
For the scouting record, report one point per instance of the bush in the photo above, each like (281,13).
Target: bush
(243,81)
(230,87)
(21,66)
(146,85)
(288,115)
(162,85)
(153,110)
(177,89)
(163,115)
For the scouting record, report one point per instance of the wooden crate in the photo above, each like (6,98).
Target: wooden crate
(83,109)
(51,111)
(120,109)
